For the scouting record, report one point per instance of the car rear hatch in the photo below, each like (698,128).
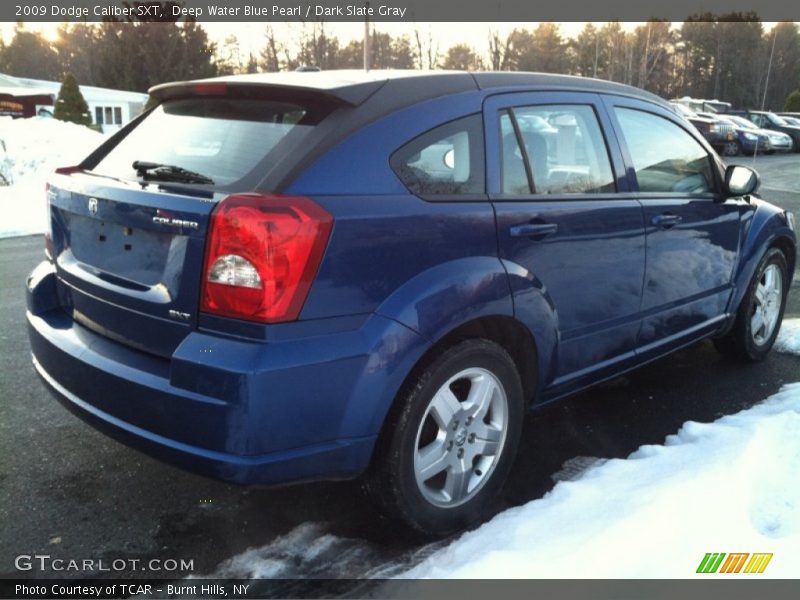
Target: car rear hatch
(129,244)
(129,260)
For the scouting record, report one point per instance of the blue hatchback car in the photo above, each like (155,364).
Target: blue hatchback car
(274,278)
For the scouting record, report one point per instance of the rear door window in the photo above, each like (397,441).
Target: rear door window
(564,147)
(221,138)
(445,161)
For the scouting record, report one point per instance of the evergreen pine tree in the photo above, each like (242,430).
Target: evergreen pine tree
(793,102)
(70,105)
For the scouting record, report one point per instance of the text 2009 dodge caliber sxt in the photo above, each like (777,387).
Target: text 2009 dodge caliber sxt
(276,278)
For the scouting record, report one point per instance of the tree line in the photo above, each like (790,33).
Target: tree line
(722,57)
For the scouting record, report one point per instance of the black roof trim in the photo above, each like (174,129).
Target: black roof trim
(505,79)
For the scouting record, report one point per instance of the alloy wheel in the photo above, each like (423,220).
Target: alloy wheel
(766,305)
(461,437)
(731,149)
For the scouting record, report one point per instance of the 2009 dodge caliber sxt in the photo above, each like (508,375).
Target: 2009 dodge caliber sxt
(276,278)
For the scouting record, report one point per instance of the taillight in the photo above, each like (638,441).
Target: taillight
(48,228)
(262,255)
(68,170)
(210,89)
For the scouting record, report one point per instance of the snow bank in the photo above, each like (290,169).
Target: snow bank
(32,149)
(788,340)
(728,486)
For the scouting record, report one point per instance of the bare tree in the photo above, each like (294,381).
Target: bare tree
(499,51)
(427,49)
(270,55)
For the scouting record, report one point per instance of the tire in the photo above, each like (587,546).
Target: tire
(759,317)
(733,148)
(444,454)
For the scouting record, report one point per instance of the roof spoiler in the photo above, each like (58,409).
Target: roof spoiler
(352,94)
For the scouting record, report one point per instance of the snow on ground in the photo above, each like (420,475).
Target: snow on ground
(30,150)
(310,551)
(728,486)
(788,340)
(306,551)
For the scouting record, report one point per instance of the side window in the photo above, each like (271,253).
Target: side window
(445,161)
(665,157)
(565,149)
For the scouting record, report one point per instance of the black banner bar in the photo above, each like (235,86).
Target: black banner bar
(743,588)
(400,11)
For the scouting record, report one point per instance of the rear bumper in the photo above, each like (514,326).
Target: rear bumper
(340,458)
(298,408)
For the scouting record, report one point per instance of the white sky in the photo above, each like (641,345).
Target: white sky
(251,35)
(447,34)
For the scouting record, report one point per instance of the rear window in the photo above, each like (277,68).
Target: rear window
(221,138)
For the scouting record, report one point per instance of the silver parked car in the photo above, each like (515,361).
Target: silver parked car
(778,142)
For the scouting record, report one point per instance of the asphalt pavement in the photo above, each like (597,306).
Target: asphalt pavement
(69,492)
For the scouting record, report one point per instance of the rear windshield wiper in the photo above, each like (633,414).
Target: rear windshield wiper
(160,172)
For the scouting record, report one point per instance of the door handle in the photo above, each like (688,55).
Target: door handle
(534,230)
(666,220)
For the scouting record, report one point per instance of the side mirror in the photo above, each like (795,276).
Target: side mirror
(741,181)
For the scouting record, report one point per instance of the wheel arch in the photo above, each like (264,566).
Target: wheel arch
(509,333)
(787,246)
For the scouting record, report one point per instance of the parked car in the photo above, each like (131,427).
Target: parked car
(768,120)
(746,141)
(274,278)
(790,119)
(699,105)
(718,134)
(778,142)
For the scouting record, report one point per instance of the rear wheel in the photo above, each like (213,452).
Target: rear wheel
(761,312)
(451,441)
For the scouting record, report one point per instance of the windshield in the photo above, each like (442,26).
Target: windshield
(684,111)
(221,139)
(742,122)
(776,120)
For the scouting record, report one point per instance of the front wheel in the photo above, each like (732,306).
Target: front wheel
(450,443)
(760,313)
(732,148)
